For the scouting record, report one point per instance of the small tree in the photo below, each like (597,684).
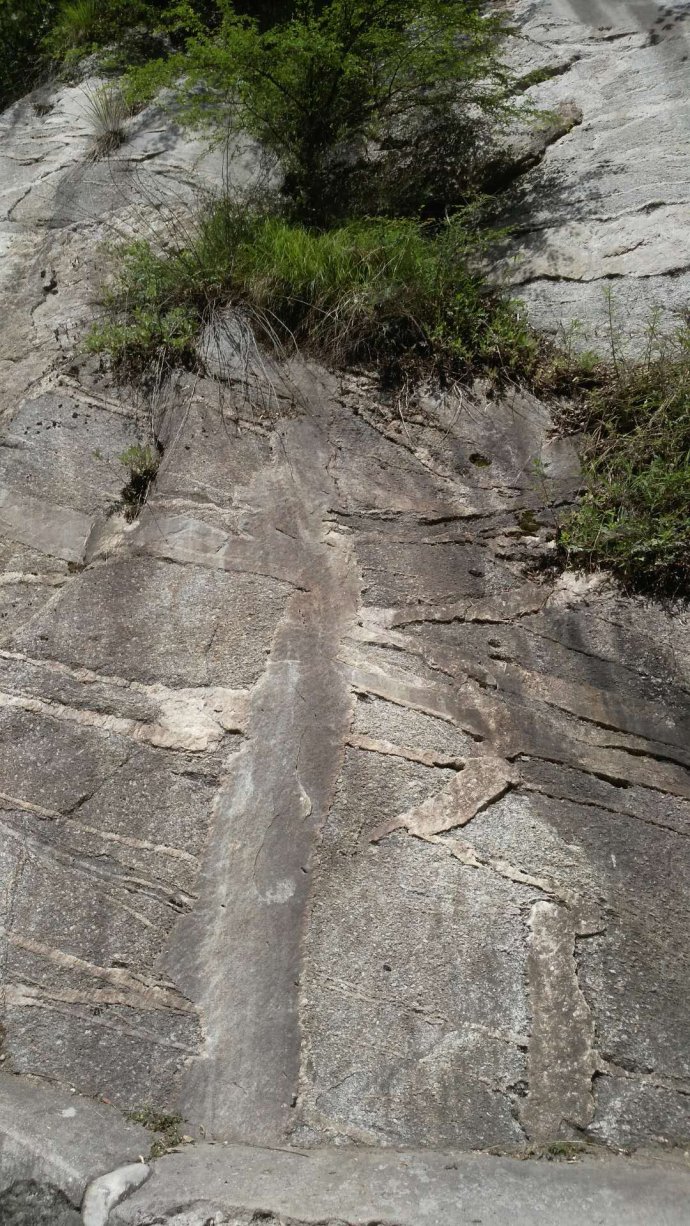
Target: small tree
(331,88)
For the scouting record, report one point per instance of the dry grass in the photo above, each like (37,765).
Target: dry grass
(106,112)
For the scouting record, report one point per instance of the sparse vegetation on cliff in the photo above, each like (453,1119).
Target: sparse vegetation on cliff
(167,1129)
(398,294)
(40,39)
(635,515)
(380,117)
(107,113)
(377,115)
(142,462)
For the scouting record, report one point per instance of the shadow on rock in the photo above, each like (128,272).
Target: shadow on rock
(27,1203)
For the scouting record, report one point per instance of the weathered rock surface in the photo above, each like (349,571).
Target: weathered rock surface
(327,818)
(607,208)
(54,1138)
(222,1184)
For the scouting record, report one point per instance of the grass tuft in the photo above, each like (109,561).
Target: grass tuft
(107,112)
(78,25)
(167,1127)
(142,464)
(634,518)
(400,295)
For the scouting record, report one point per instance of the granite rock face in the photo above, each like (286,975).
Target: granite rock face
(329,814)
(605,213)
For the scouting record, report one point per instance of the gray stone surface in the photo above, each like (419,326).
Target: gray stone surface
(235,1185)
(161,625)
(66,451)
(606,209)
(330,816)
(326,822)
(52,1136)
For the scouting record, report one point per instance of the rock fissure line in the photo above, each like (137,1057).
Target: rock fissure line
(543,790)
(469,856)
(425,757)
(139,985)
(27,997)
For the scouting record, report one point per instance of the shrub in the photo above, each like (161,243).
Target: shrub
(396,293)
(635,515)
(332,87)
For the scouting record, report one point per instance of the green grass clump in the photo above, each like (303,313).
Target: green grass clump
(635,515)
(81,27)
(123,34)
(79,24)
(153,312)
(142,465)
(398,294)
(167,1127)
